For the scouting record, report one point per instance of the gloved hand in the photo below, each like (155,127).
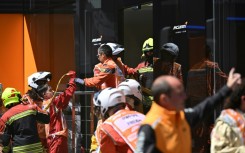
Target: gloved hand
(80,81)
(71,74)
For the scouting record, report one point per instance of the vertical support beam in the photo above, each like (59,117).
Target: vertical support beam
(73,124)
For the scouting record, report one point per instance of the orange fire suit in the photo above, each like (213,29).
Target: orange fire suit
(104,75)
(124,68)
(119,132)
(56,130)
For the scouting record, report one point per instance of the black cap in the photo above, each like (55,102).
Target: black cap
(170,48)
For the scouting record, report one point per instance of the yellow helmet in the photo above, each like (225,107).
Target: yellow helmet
(148,45)
(10,96)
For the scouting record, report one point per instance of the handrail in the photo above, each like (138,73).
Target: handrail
(91,93)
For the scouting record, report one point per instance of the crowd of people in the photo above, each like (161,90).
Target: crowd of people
(143,114)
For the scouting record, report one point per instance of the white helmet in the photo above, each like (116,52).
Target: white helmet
(38,76)
(116,48)
(131,88)
(110,97)
(95,98)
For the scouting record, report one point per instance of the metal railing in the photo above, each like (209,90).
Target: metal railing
(87,118)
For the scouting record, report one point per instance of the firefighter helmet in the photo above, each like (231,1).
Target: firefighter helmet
(131,88)
(10,96)
(110,97)
(116,48)
(148,45)
(35,78)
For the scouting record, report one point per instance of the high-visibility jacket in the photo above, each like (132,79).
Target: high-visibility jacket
(119,132)
(228,134)
(105,75)
(21,127)
(172,131)
(95,139)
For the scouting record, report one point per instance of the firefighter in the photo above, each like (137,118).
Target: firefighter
(132,91)
(42,94)
(118,133)
(105,72)
(166,127)
(21,123)
(145,71)
(122,69)
(166,64)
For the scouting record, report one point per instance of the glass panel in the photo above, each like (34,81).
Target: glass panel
(197,31)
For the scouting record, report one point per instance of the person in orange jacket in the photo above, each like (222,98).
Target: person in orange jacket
(132,91)
(118,133)
(166,127)
(42,94)
(105,72)
(122,69)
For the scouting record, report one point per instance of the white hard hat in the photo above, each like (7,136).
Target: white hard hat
(131,88)
(95,98)
(38,76)
(110,97)
(116,48)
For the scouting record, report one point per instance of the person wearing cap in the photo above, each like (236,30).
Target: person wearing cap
(166,128)
(228,134)
(20,123)
(118,133)
(53,135)
(105,74)
(166,64)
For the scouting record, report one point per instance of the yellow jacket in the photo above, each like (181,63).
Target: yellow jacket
(94,145)
(171,130)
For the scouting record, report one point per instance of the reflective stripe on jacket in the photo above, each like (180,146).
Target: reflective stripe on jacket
(35,148)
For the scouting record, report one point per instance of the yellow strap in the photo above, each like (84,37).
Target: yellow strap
(50,101)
